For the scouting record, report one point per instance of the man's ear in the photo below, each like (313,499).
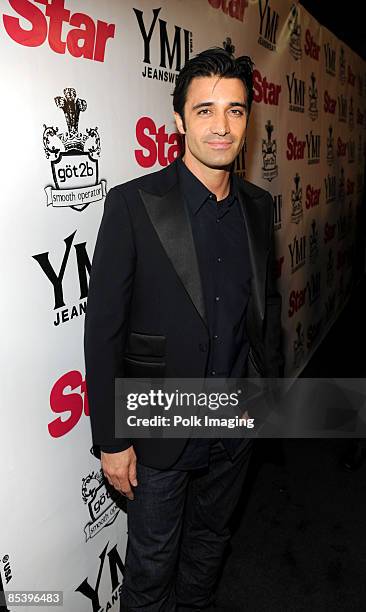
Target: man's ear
(179,123)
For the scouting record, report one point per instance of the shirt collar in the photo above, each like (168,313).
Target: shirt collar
(195,192)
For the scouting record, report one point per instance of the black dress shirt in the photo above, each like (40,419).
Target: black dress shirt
(221,243)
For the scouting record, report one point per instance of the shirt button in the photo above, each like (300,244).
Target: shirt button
(219,260)
(217,220)
(217,298)
(211,196)
(215,336)
(213,372)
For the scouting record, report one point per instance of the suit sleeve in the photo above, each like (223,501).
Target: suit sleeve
(272,324)
(106,323)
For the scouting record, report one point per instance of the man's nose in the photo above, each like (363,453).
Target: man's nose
(220,125)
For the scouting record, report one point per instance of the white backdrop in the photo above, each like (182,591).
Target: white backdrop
(85,105)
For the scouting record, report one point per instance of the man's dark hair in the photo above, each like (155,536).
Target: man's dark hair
(213,62)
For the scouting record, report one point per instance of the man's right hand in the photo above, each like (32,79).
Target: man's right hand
(120,470)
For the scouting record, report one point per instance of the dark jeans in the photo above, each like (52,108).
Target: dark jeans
(178,531)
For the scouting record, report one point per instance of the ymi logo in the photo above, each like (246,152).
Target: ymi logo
(74,158)
(296,201)
(269,20)
(330,59)
(330,188)
(297,249)
(296,93)
(313,147)
(298,345)
(165,51)
(269,154)
(330,146)
(102,507)
(110,574)
(295,33)
(82,266)
(313,98)
(313,243)
(342,66)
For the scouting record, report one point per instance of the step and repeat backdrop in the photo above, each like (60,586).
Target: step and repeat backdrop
(86,104)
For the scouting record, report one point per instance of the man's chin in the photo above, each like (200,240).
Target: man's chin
(216,161)
(220,161)
(219,165)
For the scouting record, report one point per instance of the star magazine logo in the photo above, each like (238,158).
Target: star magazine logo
(74,158)
(156,144)
(69,399)
(233,8)
(31,26)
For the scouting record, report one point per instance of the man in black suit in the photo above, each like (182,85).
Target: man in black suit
(183,286)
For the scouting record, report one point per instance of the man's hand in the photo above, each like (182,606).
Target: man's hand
(120,470)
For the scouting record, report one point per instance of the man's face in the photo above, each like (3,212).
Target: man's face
(215,117)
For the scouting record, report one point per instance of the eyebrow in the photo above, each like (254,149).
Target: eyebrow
(201,104)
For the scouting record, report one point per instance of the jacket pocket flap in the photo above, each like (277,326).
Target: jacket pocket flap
(147,345)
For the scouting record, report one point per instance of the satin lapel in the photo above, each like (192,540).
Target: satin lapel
(256,221)
(171,222)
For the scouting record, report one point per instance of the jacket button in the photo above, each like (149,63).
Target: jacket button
(203,347)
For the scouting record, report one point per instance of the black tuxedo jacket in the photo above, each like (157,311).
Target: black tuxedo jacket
(145,312)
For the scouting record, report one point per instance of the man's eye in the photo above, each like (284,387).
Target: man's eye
(203,111)
(237,111)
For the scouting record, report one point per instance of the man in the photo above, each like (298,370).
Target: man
(182,286)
